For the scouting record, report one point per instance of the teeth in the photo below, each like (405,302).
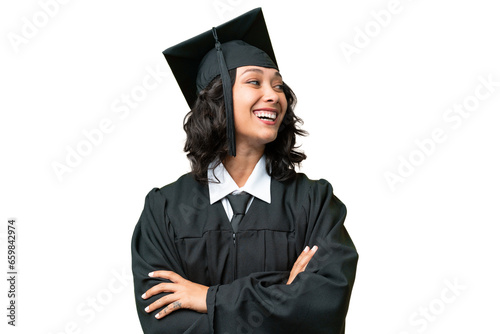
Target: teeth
(265,114)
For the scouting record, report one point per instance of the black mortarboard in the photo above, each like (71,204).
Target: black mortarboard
(242,41)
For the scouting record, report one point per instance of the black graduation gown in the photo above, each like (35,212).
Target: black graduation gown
(180,231)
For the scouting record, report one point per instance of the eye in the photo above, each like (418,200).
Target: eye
(279,86)
(253,82)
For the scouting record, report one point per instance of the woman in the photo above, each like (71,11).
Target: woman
(243,243)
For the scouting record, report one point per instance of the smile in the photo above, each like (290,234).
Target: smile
(266,115)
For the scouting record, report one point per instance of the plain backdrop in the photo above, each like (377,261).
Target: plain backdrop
(380,86)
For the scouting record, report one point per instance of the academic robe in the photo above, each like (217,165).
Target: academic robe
(247,272)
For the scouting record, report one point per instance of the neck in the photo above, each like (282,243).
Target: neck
(242,165)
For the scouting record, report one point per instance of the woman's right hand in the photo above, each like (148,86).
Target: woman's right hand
(301,262)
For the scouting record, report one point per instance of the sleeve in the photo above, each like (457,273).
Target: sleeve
(318,299)
(153,249)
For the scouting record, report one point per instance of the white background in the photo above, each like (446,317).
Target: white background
(437,226)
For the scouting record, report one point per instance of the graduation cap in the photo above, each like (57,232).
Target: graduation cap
(243,41)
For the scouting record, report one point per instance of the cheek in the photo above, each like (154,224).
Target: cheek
(244,102)
(242,113)
(284,107)
(283,102)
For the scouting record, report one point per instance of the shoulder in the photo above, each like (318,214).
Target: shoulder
(303,183)
(184,188)
(310,191)
(183,183)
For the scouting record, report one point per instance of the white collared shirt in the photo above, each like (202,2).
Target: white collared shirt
(258,185)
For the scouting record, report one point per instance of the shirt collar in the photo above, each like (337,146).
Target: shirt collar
(257,185)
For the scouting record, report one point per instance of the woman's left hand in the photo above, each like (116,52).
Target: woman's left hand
(184,294)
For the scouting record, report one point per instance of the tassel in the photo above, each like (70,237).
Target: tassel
(228,96)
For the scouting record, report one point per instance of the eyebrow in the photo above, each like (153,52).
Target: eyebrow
(276,74)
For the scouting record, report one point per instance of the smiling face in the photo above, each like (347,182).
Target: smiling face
(259,105)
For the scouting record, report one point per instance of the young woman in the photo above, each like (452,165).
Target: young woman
(242,243)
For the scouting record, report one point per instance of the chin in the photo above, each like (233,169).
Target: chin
(270,139)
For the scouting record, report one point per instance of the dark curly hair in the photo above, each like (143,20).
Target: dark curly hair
(205,126)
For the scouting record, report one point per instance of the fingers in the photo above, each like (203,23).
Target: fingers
(182,294)
(159,288)
(301,262)
(163,287)
(305,257)
(169,309)
(165,300)
(171,300)
(170,275)
(309,256)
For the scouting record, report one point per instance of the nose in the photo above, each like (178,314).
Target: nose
(270,95)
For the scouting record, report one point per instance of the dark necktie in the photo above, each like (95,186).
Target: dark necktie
(238,203)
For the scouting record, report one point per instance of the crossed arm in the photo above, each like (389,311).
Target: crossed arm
(185,294)
(258,300)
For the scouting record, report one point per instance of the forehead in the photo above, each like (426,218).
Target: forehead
(257,69)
